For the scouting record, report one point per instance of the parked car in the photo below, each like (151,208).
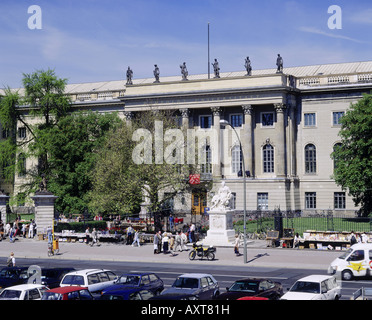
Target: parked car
(68,293)
(253,287)
(23,292)
(11,276)
(314,287)
(205,286)
(96,280)
(355,262)
(145,281)
(129,293)
(51,277)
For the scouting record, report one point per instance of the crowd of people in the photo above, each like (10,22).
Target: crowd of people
(15,229)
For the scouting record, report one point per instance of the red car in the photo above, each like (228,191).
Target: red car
(67,293)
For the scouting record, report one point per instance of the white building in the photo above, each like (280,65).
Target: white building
(288,125)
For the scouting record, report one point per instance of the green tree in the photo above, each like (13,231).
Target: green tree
(36,111)
(72,153)
(353,157)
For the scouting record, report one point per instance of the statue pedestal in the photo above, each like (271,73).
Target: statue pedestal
(221,231)
(44,210)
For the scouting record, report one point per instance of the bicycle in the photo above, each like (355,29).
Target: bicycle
(51,250)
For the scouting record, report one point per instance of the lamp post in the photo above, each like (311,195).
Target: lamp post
(226,123)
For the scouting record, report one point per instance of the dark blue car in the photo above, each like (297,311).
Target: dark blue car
(128,293)
(11,276)
(143,281)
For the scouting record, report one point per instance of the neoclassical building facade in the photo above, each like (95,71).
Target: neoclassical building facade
(286,123)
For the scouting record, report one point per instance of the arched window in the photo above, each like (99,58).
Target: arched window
(310,158)
(335,160)
(21,165)
(268,158)
(236,159)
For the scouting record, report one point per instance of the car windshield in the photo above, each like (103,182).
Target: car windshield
(186,283)
(244,286)
(51,296)
(10,294)
(305,286)
(345,254)
(129,279)
(73,280)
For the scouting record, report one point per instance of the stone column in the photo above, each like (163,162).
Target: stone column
(280,145)
(3,202)
(216,145)
(44,210)
(247,139)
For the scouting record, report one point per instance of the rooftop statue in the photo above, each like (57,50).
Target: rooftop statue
(129,76)
(216,69)
(184,71)
(279,63)
(248,66)
(156,73)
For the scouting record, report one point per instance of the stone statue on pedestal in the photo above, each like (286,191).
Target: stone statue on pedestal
(221,201)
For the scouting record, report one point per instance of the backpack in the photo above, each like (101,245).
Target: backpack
(9,262)
(353,240)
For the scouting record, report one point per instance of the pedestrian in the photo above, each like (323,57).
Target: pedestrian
(11,260)
(165,243)
(87,233)
(364,238)
(1,230)
(12,234)
(171,222)
(94,237)
(178,242)
(50,234)
(171,244)
(236,245)
(136,239)
(192,233)
(31,230)
(23,230)
(130,232)
(7,229)
(157,242)
(353,239)
(183,240)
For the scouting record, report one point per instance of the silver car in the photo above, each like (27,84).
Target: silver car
(203,285)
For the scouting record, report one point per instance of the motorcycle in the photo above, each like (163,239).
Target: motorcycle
(200,251)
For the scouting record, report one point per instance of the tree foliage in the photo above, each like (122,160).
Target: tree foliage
(353,157)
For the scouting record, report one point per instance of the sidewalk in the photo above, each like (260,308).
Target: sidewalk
(258,255)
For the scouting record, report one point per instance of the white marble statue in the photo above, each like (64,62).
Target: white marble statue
(221,201)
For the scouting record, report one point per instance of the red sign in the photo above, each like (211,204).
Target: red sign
(194,179)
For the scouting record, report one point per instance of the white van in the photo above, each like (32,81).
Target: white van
(355,262)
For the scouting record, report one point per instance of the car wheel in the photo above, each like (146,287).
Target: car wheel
(347,275)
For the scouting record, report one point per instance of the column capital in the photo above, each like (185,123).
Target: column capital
(280,107)
(247,109)
(184,112)
(128,115)
(216,111)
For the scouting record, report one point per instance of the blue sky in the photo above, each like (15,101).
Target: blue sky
(89,40)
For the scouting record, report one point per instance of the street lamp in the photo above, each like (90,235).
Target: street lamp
(226,123)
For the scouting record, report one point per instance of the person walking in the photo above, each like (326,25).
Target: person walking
(165,243)
(183,241)
(178,242)
(11,260)
(136,239)
(12,234)
(236,245)
(130,232)
(157,242)
(31,230)
(94,237)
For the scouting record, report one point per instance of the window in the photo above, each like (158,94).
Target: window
(236,159)
(207,166)
(310,119)
(205,122)
(93,278)
(310,158)
(268,158)
(236,120)
(339,200)
(21,165)
(335,160)
(337,117)
(267,119)
(262,201)
(203,282)
(310,200)
(22,133)
(233,200)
